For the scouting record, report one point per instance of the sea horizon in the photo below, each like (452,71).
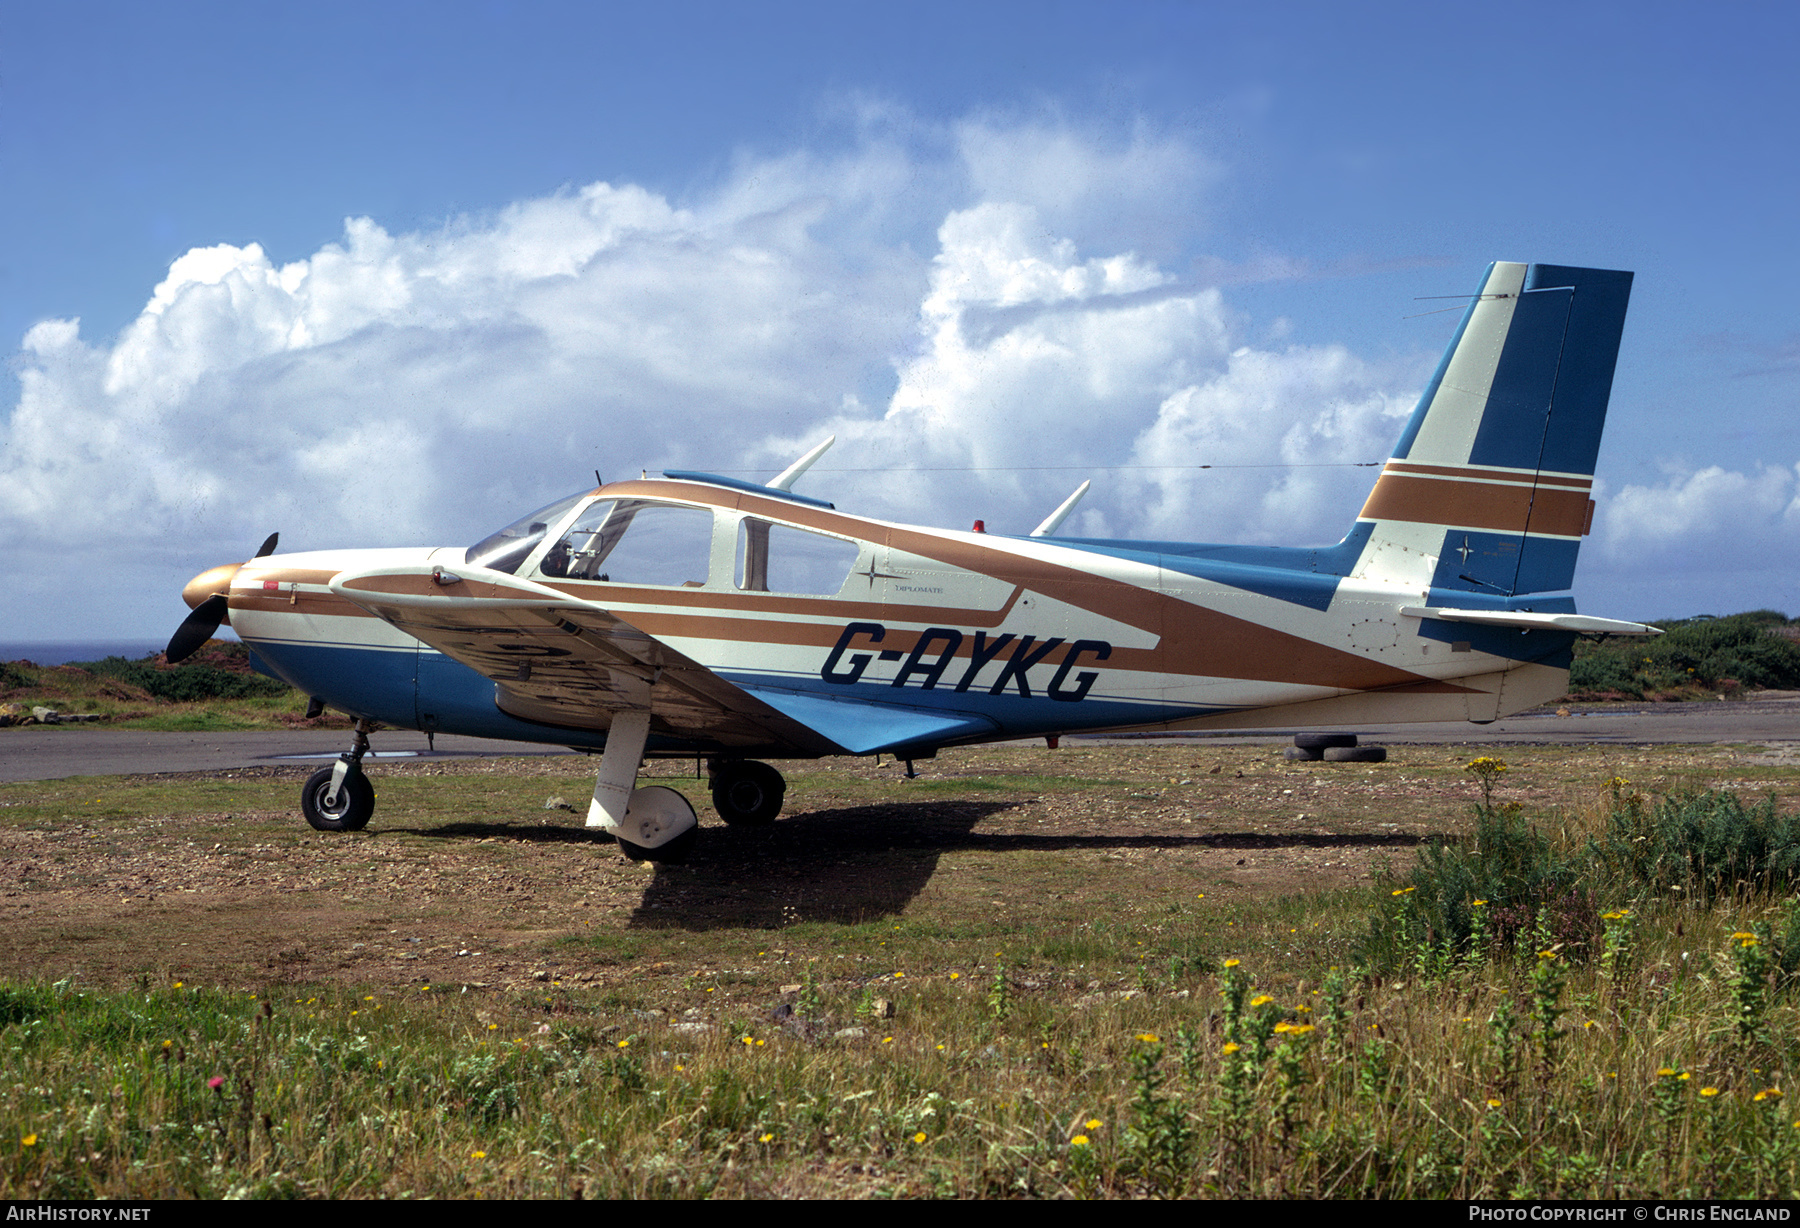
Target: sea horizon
(61,652)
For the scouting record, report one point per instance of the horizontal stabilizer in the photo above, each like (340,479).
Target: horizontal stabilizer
(1583,624)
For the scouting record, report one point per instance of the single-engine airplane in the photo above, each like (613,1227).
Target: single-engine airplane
(703,616)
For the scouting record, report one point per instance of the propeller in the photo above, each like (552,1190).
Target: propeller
(199,626)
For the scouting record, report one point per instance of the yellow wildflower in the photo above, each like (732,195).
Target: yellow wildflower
(1080,1140)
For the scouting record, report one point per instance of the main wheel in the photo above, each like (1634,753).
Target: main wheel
(355,801)
(672,853)
(653,810)
(744,791)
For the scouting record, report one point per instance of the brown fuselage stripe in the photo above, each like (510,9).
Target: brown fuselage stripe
(1477,505)
(1191,640)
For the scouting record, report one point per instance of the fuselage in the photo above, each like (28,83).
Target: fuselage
(856,627)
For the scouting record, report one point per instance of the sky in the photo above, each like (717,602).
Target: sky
(393,274)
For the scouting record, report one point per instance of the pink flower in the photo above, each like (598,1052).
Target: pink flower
(216,1082)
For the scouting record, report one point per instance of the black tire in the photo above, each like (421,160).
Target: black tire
(355,803)
(747,792)
(673,853)
(1356,754)
(1295,754)
(1323,741)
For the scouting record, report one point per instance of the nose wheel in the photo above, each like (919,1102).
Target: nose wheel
(340,797)
(350,812)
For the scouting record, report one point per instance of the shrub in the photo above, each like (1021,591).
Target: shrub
(1510,866)
(1719,653)
(1707,843)
(191,683)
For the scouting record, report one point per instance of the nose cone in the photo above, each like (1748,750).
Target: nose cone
(208,583)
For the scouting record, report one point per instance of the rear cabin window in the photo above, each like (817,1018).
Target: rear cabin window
(632,541)
(772,558)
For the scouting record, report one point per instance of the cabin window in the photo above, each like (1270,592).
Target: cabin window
(631,541)
(772,558)
(505,550)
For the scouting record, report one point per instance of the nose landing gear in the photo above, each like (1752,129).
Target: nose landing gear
(340,797)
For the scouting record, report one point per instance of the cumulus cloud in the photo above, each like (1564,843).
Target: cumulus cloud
(424,387)
(1707,540)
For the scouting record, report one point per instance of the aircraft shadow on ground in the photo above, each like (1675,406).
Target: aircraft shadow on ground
(531,833)
(854,864)
(863,863)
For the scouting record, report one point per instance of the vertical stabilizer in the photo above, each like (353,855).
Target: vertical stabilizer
(1488,490)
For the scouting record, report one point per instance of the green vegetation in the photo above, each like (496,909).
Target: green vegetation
(1694,658)
(1592,1002)
(1513,886)
(214,690)
(187,683)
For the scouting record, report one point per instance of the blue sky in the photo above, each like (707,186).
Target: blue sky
(1015,238)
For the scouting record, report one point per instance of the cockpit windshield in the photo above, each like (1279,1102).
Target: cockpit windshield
(505,550)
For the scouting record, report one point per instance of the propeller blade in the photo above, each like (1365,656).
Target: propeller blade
(197,628)
(268,547)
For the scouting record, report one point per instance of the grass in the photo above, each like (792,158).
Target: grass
(1186,1039)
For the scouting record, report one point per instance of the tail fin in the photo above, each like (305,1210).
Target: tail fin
(1487,491)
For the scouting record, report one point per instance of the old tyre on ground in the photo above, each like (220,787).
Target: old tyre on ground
(1356,754)
(355,801)
(747,792)
(1323,741)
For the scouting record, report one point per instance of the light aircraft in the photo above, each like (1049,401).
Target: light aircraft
(701,616)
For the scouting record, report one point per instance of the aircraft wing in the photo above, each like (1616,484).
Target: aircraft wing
(558,660)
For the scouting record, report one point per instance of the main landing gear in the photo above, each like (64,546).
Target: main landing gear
(340,797)
(746,792)
(654,823)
